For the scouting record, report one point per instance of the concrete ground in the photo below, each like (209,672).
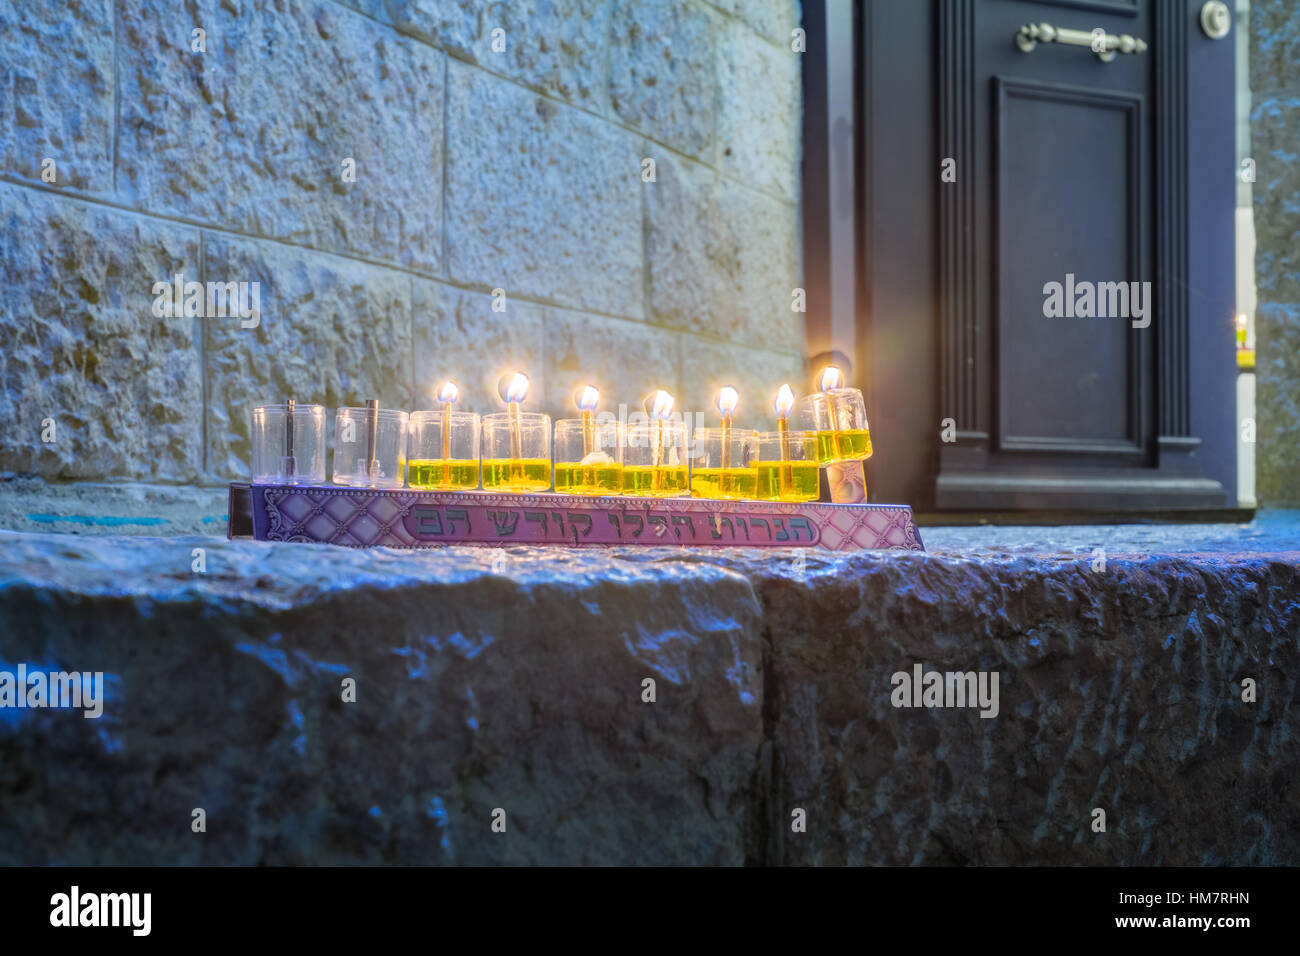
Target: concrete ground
(1272,531)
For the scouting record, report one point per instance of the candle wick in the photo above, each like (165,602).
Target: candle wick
(446,443)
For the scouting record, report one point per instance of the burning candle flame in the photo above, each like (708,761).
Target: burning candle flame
(784,401)
(728,399)
(662,406)
(588,399)
(1242,321)
(830,378)
(517,388)
(448,393)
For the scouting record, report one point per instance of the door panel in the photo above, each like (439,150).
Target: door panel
(1068,159)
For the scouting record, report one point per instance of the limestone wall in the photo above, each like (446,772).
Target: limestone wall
(476,169)
(1275,147)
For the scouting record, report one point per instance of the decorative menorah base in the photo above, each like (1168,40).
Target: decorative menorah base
(401,518)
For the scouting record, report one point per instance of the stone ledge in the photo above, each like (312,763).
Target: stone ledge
(518,685)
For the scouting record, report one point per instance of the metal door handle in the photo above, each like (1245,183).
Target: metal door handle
(1104,44)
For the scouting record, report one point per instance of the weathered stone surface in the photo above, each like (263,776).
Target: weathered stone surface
(79,343)
(253,134)
(542,199)
(625,360)
(474,691)
(707,366)
(555,45)
(248,137)
(1119,690)
(1274,45)
(459,337)
(772,19)
(759,112)
(87,507)
(1275,147)
(520,688)
(333,331)
(722,258)
(56,92)
(661,72)
(1277,399)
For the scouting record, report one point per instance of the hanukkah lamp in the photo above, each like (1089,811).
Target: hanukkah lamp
(431,478)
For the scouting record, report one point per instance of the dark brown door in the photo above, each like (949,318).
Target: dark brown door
(1045,290)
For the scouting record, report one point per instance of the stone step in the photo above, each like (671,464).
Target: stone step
(515,680)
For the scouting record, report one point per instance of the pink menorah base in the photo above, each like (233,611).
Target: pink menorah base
(368,517)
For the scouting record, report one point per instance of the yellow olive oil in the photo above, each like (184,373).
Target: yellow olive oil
(516,474)
(655,482)
(572,478)
(803,477)
(724,482)
(845,445)
(456,474)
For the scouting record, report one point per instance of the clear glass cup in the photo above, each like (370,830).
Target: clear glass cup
(370,447)
(839,417)
(443,450)
(725,463)
(518,457)
(655,459)
(787,466)
(588,457)
(284,453)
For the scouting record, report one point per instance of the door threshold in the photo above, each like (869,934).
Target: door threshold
(936,519)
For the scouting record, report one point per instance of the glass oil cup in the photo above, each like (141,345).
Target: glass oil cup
(588,457)
(370,447)
(725,463)
(839,417)
(787,466)
(444,451)
(285,449)
(516,451)
(655,459)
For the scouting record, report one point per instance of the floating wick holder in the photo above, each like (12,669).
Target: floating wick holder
(372,434)
(288,462)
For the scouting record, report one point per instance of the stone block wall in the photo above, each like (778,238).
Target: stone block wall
(1275,147)
(483,161)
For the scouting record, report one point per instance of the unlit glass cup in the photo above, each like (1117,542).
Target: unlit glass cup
(839,417)
(370,447)
(787,466)
(443,451)
(516,451)
(655,459)
(588,457)
(725,463)
(288,449)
